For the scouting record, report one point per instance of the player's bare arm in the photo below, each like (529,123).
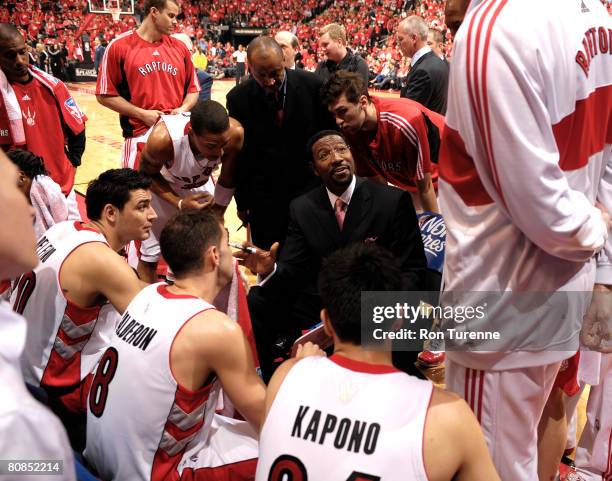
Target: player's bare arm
(305,350)
(188,102)
(94,273)
(212,342)
(229,166)
(123,107)
(427,194)
(159,152)
(454,446)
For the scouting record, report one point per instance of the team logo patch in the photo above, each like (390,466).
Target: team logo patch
(74,110)
(433,233)
(30,118)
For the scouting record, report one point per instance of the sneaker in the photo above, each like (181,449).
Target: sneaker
(430,359)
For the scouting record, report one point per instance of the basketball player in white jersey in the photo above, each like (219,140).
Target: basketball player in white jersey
(79,271)
(180,154)
(151,408)
(526,164)
(29,430)
(354,416)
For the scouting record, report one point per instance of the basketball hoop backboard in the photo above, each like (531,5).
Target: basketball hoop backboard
(116,8)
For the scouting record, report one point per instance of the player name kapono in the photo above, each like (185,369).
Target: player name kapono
(134,333)
(352,435)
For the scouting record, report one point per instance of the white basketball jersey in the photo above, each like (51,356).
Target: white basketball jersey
(29,429)
(59,332)
(337,419)
(187,173)
(140,421)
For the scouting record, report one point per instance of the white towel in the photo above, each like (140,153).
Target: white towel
(49,203)
(13,110)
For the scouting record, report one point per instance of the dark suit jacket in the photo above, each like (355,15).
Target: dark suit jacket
(289,300)
(352,62)
(377,213)
(427,83)
(273,167)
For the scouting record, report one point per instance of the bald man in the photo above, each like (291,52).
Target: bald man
(289,43)
(279,110)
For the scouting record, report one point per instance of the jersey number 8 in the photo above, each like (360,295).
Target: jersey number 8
(99,386)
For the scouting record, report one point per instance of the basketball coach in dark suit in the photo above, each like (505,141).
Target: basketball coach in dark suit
(344,210)
(427,81)
(279,110)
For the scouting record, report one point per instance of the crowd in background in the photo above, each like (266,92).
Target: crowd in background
(55,30)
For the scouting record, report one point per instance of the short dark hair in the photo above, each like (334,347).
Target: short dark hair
(159,4)
(209,116)
(185,238)
(31,164)
(8,31)
(318,136)
(343,82)
(345,274)
(113,187)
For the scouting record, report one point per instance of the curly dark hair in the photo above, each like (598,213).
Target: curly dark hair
(31,164)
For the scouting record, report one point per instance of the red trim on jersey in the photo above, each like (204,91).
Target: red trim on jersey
(586,130)
(458,169)
(359,366)
(163,291)
(78,225)
(567,377)
(239,470)
(473,391)
(480,391)
(102,86)
(60,372)
(485,99)
(180,434)
(484,122)
(186,129)
(468,63)
(189,400)
(164,466)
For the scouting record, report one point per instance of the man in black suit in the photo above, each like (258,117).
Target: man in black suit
(343,210)
(279,110)
(427,81)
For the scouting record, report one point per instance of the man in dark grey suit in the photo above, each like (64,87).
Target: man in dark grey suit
(427,81)
(343,210)
(279,110)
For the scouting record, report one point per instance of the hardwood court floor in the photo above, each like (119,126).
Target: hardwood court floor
(104,143)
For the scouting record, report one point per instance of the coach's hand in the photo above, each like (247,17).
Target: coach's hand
(197,201)
(260,262)
(596,333)
(149,117)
